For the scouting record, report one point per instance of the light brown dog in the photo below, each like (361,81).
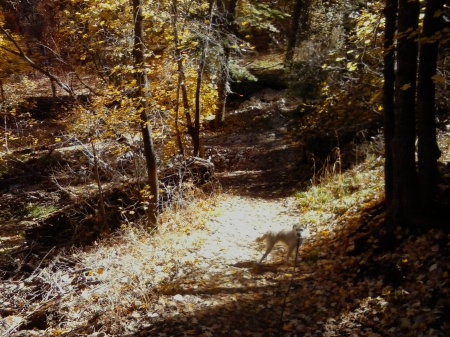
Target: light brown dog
(290,237)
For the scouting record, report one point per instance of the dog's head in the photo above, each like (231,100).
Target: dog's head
(299,229)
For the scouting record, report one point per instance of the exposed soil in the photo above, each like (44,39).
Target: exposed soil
(229,294)
(260,152)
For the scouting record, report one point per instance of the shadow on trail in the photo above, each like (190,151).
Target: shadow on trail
(252,300)
(335,291)
(265,151)
(272,183)
(259,153)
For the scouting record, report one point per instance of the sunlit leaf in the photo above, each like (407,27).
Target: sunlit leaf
(438,79)
(351,66)
(405,86)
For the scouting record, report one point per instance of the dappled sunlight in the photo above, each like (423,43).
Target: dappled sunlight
(161,161)
(199,273)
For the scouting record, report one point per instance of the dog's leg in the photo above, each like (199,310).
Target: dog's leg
(269,247)
(292,247)
(290,250)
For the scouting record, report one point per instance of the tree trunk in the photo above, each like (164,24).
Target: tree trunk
(428,150)
(406,193)
(198,90)
(198,103)
(390,13)
(2,95)
(142,96)
(292,37)
(177,124)
(181,79)
(222,88)
(101,207)
(228,10)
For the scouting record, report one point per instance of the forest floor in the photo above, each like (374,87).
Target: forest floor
(198,274)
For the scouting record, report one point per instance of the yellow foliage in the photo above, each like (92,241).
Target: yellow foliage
(359,76)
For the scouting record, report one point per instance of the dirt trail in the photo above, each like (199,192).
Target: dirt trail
(239,221)
(228,293)
(259,167)
(260,153)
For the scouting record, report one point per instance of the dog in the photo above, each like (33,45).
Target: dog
(290,237)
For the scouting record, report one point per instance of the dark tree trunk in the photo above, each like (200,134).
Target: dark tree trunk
(222,88)
(428,150)
(181,81)
(2,96)
(198,91)
(292,37)
(177,118)
(228,11)
(53,86)
(142,96)
(101,207)
(390,13)
(406,193)
(198,103)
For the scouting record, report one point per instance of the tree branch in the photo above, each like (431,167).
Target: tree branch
(20,52)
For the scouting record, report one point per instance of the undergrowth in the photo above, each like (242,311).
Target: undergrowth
(31,210)
(120,275)
(334,193)
(135,265)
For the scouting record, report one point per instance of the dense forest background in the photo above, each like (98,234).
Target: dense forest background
(130,129)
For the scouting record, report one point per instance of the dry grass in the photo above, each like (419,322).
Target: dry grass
(334,193)
(116,280)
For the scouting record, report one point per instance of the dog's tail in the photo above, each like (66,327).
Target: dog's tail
(261,238)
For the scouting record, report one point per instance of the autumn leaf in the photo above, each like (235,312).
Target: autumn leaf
(438,79)
(405,86)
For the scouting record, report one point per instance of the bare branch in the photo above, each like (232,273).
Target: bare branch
(21,53)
